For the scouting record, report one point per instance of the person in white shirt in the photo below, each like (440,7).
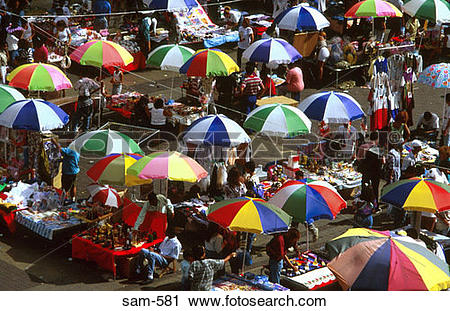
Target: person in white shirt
(246,38)
(158,115)
(231,17)
(411,159)
(168,251)
(12,39)
(428,124)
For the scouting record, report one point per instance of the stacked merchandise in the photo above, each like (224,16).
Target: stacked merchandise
(254,283)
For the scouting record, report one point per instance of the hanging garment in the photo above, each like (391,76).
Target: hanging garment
(379,108)
(379,65)
(396,68)
(408,78)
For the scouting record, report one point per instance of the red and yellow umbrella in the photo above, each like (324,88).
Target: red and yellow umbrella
(99,53)
(209,63)
(39,77)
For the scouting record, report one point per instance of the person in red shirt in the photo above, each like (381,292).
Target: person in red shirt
(40,54)
(269,85)
(277,251)
(294,81)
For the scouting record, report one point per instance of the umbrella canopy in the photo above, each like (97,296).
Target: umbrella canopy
(104,142)
(437,11)
(418,194)
(216,130)
(306,201)
(249,215)
(99,53)
(39,77)
(171,5)
(33,115)
(209,63)
(366,259)
(112,170)
(436,75)
(278,120)
(104,195)
(168,164)
(373,8)
(331,107)
(8,95)
(303,18)
(169,57)
(272,52)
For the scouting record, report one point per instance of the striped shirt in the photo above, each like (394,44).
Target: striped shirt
(252,85)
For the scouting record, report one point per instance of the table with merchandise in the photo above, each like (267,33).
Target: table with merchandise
(248,282)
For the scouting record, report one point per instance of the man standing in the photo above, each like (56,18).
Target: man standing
(101,7)
(231,17)
(252,87)
(70,169)
(168,251)
(294,81)
(85,88)
(201,272)
(158,203)
(246,38)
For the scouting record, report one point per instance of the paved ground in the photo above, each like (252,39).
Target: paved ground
(28,262)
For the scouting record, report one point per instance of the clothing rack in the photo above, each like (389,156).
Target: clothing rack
(396,47)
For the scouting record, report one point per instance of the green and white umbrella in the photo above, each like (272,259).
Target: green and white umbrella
(437,11)
(8,95)
(104,142)
(169,57)
(278,120)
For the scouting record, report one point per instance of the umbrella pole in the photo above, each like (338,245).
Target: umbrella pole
(307,237)
(270,84)
(443,108)
(100,101)
(245,253)
(171,88)
(416,221)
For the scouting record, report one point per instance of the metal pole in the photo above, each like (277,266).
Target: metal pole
(245,253)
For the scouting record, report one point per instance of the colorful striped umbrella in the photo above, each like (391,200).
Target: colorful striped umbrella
(104,194)
(112,170)
(366,259)
(373,8)
(34,115)
(216,130)
(278,120)
(169,57)
(302,18)
(331,107)
(436,75)
(249,215)
(272,52)
(8,95)
(209,63)
(171,5)
(104,142)
(39,77)
(167,164)
(100,53)
(437,11)
(418,194)
(306,201)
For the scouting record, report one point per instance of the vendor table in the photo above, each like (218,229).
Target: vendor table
(105,258)
(319,279)
(277,100)
(348,69)
(48,224)
(232,282)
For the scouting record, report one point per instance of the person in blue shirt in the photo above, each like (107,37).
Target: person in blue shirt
(101,7)
(70,169)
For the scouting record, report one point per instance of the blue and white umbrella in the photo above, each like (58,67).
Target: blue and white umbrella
(216,130)
(171,5)
(34,115)
(331,107)
(303,18)
(272,52)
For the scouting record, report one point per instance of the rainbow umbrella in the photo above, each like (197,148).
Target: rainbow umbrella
(365,259)
(306,201)
(373,8)
(418,194)
(249,215)
(104,195)
(209,63)
(8,95)
(100,53)
(39,77)
(104,142)
(170,165)
(112,170)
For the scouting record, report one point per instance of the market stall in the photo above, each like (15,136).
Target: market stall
(108,244)
(248,282)
(195,26)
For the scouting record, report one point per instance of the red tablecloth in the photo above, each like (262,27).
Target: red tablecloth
(123,112)
(137,64)
(8,217)
(105,258)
